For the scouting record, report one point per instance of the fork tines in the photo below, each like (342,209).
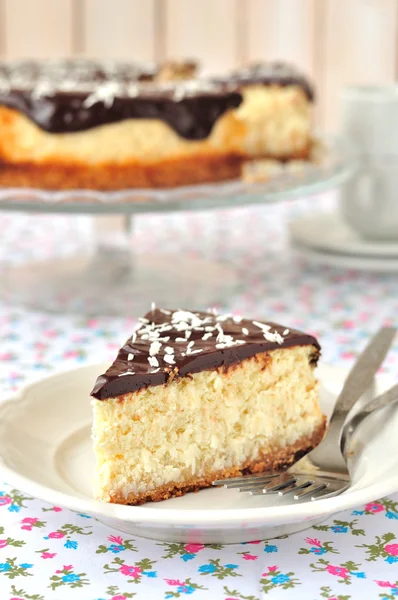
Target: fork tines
(303,486)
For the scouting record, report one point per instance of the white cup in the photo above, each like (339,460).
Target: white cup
(369,201)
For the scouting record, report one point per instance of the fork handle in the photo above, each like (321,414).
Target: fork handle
(388,398)
(358,381)
(361,375)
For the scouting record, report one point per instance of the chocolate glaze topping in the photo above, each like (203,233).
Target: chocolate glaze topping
(76,95)
(170,344)
(72,96)
(276,73)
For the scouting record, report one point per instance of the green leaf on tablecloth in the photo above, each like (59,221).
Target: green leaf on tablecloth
(172,549)
(381,548)
(11,569)
(344,571)
(187,587)
(114,590)
(24,595)
(215,569)
(238,595)
(66,576)
(341,527)
(273,579)
(326,592)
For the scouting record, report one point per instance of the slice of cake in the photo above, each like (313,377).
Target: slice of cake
(194,397)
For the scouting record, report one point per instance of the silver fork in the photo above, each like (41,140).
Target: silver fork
(323,472)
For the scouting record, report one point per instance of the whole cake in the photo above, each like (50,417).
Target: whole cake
(82,124)
(194,397)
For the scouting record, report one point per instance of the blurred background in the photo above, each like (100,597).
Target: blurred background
(334,41)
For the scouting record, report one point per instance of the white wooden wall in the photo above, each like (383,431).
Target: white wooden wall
(334,41)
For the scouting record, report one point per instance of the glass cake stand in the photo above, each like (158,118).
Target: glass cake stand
(112,279)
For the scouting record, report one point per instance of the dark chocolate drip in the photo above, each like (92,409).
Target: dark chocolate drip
(218,351)
(192,116)
(276,73)
(74,95)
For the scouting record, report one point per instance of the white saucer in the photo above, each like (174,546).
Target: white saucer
(45,450)
(361,263)
(327,232)
(324,239)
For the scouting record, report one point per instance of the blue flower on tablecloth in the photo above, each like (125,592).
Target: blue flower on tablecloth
(394,591)
(358,512)
(229,566)
(115,548)
(83,515)
(359,574)
(339,529)
(71,577)
(26,566)
(281,578)
(317,550)
(271,549)
(207,569)
(391,515)
(185,589)
(186,557)
(4,567)
(14,508)
(71,544)
(150,573)
(391,559)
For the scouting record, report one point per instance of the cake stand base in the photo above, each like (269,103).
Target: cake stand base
(97,286)
(116,281)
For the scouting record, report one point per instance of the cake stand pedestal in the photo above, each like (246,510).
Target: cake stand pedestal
(114,279)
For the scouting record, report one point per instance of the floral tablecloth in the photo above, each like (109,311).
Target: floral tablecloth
(48,552)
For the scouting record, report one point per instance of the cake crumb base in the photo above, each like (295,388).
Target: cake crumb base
(270,461)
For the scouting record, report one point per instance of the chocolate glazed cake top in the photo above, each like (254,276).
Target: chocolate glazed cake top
(276,73)
(168,344)
(73,96)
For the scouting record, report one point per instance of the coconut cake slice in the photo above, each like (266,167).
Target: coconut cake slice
(193,397)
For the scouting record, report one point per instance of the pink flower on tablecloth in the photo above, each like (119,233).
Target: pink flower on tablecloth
(48,554)
(116,539)
(270,570)
(248,556)
(338,571)
(374,507)
(15,598)
(385,584)
(193,548)
(4,500)
(57,508)
(391,549)
(133,571)
(30,520)
(65,568)
(255,542)
(3,543)
(313,542)
(119,597)
(56,535)
(71,354)
(174,582)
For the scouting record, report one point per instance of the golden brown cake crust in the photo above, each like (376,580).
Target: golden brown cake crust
(188,170)
(267,462)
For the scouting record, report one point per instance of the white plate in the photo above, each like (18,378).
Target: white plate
(333,259)
(45,450)
(327,232)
